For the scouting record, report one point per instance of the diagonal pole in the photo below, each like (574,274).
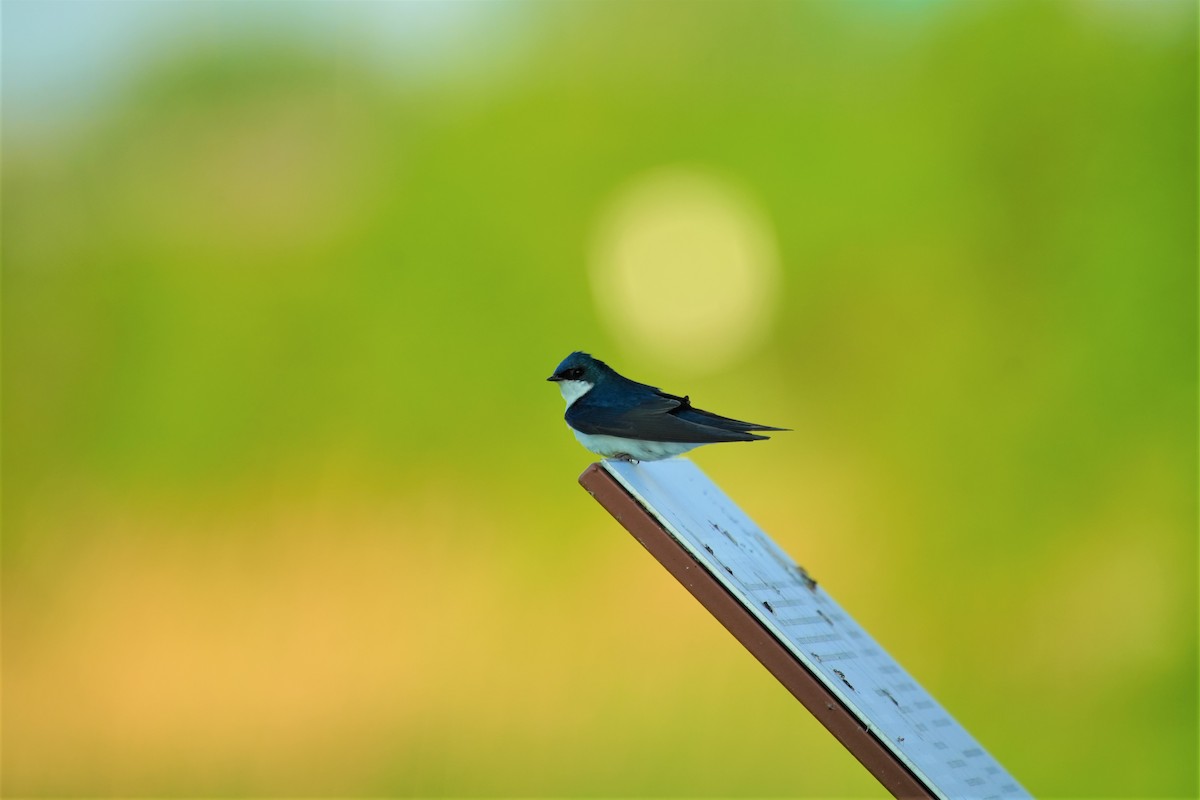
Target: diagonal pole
(856,690)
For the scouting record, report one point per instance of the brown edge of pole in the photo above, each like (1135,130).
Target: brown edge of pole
(804,686)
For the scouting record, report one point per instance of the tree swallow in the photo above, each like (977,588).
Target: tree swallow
(630,421)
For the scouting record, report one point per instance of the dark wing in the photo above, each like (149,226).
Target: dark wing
(690,413)
(657,417)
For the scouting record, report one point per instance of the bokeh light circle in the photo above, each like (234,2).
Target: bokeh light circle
(684,268)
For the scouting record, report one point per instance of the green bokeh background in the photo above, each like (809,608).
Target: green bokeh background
(289,510)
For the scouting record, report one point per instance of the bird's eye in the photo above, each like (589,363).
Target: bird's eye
(574,373)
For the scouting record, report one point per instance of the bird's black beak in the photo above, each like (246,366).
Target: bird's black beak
(554,378)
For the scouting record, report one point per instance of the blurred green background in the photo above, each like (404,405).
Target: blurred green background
(290,510)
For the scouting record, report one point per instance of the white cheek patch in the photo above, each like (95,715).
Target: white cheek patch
(573,390)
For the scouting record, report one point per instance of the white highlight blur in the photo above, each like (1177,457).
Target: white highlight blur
(685,269)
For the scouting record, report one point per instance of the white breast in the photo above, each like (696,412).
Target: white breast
(573,390)
(638,450)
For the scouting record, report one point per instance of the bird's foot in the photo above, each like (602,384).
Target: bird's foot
(625,457)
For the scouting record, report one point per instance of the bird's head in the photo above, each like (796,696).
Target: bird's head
(577,374)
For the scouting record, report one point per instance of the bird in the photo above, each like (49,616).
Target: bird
(619,418)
